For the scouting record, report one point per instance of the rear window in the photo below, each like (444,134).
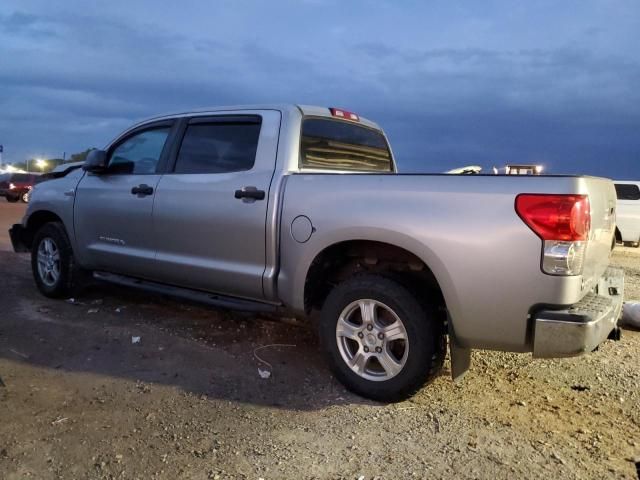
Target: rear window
(627,191)
(339,145)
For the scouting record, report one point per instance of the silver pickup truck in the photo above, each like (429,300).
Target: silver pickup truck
(300,209)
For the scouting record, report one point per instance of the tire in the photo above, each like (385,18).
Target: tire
(11,199)
(635,244)
(416,360)
(24,198)
(52,247)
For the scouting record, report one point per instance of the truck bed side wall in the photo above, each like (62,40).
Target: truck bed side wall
(486,260)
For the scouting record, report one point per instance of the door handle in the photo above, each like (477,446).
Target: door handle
(142,190)
(250,193)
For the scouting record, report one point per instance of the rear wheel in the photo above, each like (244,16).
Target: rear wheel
(380,340)
(11,199)
(52,263)
(25,197)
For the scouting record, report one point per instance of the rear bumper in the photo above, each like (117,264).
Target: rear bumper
(580,328)
(18,242)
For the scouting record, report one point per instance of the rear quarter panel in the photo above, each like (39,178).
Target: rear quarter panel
(465,228)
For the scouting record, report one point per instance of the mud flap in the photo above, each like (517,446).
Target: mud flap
(460,357)
(17,233)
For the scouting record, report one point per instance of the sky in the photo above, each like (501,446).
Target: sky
(453,83)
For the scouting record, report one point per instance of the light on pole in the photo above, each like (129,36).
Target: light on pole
(41,163)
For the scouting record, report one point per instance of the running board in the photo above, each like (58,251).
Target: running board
(198,296)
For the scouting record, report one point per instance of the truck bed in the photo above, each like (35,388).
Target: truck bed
(486,260)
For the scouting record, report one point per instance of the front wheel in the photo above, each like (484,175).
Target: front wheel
(52,263)
(380,340)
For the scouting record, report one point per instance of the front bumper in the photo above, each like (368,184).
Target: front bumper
(17,234)
(580,328)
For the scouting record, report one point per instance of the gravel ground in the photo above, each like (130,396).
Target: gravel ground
(79,400)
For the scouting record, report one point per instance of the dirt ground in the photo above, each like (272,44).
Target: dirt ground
(80,400)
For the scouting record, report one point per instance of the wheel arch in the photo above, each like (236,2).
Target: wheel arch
(340,260)
(35,221)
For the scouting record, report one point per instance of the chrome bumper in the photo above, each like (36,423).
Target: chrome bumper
(580,328)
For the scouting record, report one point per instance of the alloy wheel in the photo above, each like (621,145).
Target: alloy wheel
(48,262)
(372,340)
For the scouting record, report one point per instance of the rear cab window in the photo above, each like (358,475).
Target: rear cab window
(328,144)
(627,191)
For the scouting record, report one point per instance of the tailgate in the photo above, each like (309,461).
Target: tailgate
(602,200)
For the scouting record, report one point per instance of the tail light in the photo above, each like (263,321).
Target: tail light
(563,223)
(12,186)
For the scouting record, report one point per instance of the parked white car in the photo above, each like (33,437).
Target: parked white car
(628,212)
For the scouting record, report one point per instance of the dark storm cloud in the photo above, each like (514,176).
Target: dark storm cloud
(24,23)
(567,108)
(452,85)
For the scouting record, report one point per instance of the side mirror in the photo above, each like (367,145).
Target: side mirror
(96,161)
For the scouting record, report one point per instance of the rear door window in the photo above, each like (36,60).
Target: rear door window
(339,145)
(626,191)
(219,145)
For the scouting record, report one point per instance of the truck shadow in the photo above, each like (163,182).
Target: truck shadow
(151,339)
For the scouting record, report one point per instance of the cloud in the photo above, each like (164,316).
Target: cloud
(26,25)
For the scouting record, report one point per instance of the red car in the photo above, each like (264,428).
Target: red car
(16,186)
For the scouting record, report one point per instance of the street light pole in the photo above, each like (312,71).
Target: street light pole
(41,164)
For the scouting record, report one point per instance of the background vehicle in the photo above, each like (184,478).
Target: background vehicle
(301,208)
(59,171)
(16,186)
(628,212)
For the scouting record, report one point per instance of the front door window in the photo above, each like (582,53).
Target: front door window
(140,153)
